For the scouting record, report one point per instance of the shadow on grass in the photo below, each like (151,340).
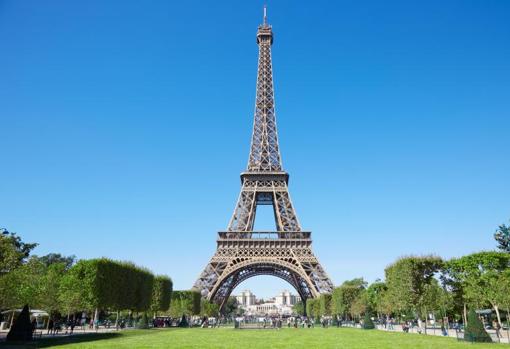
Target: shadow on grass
(56,341)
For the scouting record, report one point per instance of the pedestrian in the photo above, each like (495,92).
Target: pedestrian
(50,326)
(34,325)
(56,327)
(498,330)
(443,330)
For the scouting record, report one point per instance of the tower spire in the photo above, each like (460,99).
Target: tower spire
(264,151)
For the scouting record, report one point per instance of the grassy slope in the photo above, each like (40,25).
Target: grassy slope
(285,338)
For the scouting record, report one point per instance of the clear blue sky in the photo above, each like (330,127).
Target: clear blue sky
(125,124)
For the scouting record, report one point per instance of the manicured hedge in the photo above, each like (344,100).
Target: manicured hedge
(107,284)
(161,293)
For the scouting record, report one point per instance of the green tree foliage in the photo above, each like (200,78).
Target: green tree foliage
(50,287)
(22,285)
(54,258)
(13,251)
(209,309)
(478,275)
(185,303)
(502,236)
(325,301)
(503,291)
(231,307)
(313,308)
(408,280)
(474,331)
(161,293)
(21,330)
(346,295)
(299,308)
(359,305)
(376,293)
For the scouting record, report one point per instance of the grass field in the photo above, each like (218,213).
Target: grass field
(230,338)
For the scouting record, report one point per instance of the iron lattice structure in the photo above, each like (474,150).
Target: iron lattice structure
(243,253)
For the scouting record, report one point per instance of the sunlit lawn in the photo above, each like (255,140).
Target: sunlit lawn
(253,338)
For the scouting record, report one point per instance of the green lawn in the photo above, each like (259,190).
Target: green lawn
(230,338)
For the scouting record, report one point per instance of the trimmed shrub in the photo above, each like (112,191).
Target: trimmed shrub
(21,330)
(368,324)
(143,323)
(183,322)
(474,331)
(106,284)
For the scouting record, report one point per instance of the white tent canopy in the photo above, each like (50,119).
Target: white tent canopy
(33,312)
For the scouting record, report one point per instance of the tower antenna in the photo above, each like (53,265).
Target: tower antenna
(265,14)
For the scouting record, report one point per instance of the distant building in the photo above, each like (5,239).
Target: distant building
(287,298)
(246,298)
(282,304)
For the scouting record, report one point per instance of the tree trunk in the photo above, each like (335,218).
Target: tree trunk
(425,323)
(508,324)
(96,319)
(465,315)
(12,319)
(496,309)
(117,321)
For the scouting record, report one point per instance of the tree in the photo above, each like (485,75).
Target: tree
(50,287)
(359,305)
(313,308)
(502,236)
(209,309)
(376,297)
(438,299)
(503,293)
(474,331)
(22,285)
(161,294)
(185,303)
(54,258)
(13,251)
(231,307)
(478,275)
(346,295)
(73,294)
(299,308)
(325,304)
(408,280)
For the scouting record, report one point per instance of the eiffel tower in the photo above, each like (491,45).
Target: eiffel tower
(242,252)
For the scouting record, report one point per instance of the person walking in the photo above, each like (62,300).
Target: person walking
(443,330)
(498,330)
(34,325)
(50,326)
